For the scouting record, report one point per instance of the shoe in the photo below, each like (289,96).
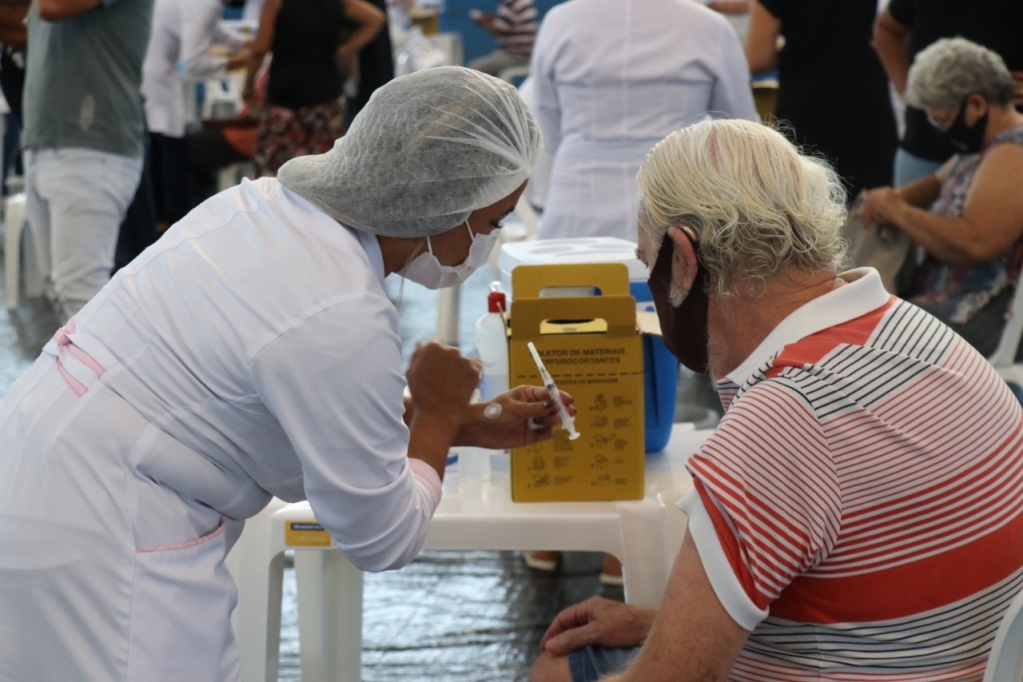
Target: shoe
(611,573)
(542,561)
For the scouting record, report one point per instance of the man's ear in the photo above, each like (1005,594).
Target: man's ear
(683,261)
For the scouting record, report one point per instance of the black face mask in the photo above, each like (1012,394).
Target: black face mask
(967,139)
(684,328)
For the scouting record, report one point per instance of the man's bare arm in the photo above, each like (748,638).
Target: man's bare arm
(693,637)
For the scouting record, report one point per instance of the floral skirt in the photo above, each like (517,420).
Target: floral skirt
(284,133)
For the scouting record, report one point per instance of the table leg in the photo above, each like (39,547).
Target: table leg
(447,314)
(258,621)
(329,616)
(648,551)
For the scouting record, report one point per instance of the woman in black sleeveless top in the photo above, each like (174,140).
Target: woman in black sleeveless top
(303,113)
(833,91)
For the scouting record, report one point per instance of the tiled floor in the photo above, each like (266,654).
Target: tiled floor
(459,616)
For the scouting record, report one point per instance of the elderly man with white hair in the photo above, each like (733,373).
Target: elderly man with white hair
(858,513)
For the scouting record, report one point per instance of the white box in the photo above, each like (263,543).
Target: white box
(559,251)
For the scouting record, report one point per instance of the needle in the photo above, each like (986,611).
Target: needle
(567,421)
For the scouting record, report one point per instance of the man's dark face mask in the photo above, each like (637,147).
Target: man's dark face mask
(967,139)
(684,328)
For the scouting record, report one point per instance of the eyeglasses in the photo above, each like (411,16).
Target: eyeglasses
(941,123)
(948,118)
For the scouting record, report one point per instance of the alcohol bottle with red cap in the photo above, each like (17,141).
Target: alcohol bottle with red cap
(491,339)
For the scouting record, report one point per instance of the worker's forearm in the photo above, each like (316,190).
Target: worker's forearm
(431,437)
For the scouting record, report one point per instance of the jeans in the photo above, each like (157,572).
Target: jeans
(909,167)
(169,177)
(138,229)
(76,200)
(590,663)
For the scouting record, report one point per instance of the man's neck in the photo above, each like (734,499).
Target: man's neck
(738,324)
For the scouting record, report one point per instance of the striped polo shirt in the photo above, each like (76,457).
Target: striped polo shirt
(860,507)
(516,22)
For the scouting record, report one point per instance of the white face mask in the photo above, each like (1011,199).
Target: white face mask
(425,269)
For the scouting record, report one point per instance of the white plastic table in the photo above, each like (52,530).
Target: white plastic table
(479,516)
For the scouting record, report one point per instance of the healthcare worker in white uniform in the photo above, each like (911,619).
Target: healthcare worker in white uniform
(611,79)
(253,352)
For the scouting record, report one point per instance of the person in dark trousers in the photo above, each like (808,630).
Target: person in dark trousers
(376,66)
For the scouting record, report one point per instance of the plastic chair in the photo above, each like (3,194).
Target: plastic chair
(1006,661)
(222,97)
(319,571)
(251,565)
(16,221)
(1004,357)
(232,174)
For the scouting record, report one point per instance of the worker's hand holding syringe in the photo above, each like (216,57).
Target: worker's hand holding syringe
(521,416)
(441,382)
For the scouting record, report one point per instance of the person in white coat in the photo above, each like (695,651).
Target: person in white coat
(183,32)
(253,352)
(612,78)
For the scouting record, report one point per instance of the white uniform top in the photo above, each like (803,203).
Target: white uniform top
(251,352)
(613,78)
(257,339)
(183,30)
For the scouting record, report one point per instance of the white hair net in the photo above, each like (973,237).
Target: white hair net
(427,150)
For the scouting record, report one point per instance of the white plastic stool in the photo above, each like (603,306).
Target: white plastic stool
(330,587)
(222,97)
(16,221)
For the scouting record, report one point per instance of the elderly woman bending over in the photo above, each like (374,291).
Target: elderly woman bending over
(967,217)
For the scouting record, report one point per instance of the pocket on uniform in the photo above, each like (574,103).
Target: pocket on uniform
(182,600)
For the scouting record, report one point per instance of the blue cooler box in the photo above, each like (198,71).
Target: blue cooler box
(661,372)
(659,366)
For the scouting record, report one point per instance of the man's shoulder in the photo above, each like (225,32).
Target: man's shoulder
(863,361)
(896,328)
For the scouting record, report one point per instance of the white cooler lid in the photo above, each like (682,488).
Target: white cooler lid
(581,250)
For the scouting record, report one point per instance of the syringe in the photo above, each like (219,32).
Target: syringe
(567,421)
